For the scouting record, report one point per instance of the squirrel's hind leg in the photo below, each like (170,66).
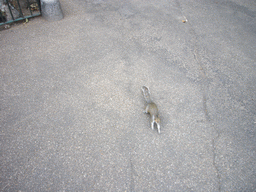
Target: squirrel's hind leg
(152,125)
(158,127)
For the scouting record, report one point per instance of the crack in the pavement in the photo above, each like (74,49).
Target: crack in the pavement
(128,148)
(132,173)
(205,88)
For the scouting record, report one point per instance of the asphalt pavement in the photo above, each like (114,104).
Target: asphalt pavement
(72,108)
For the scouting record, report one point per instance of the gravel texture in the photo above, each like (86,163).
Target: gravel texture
(72,108)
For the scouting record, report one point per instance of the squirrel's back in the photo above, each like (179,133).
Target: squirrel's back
(146,94)
(151,108)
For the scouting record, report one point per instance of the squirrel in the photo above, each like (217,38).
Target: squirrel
(151,108)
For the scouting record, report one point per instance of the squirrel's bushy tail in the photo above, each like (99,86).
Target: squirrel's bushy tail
(146,94)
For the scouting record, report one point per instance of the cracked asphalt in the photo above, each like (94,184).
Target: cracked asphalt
(72,109)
